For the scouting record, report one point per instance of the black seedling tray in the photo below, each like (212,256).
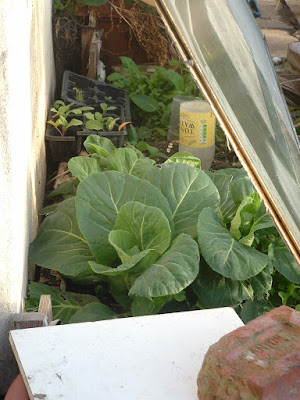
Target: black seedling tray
(62,148)
(94,92)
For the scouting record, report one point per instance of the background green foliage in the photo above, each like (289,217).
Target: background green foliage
(151,95)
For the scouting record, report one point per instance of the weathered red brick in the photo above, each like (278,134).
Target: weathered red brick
(260,360)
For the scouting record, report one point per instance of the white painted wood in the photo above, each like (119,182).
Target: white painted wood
(143,358)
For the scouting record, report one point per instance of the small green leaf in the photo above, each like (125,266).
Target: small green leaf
(89,115)
(184,158)
(153,151)
(115,76)
(64,189)
(74,122)
(131,67)
(81,167)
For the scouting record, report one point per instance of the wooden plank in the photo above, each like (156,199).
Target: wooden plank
(45,307)
(29,320)
(93,61)
(143,358)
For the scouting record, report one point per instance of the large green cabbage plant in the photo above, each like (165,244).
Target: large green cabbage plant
(159,236)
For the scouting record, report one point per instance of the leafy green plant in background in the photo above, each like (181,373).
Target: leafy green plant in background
(170,237)
(151,96)
(62,113)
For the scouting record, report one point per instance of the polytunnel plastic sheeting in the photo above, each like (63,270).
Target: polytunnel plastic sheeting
(227,55)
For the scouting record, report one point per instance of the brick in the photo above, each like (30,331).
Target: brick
(260,360)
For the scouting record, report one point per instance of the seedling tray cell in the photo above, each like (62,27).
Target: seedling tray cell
(93,92)
(61,148)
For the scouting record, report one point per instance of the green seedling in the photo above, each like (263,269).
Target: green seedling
(106,108)
(78,95)
(98,122)
(61,118)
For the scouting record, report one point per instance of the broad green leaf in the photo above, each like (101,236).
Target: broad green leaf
(93,312)
(99,198)
(59,244)
(144,306)
(131,67)
(149,226)
(262,282)
(253,309)
(184,157)
(214,290)
(284,262)
(170,274)
(65,188)
(176,79)
(81,167)
(241,188)
(188,191)
(153,151)
(227,205)
(223,253)
(99,145)
(144,102)
(115,76)
(64,304)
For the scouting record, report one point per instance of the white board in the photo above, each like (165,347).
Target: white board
(142,358)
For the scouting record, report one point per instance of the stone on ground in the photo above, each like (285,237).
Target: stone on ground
(260,360)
